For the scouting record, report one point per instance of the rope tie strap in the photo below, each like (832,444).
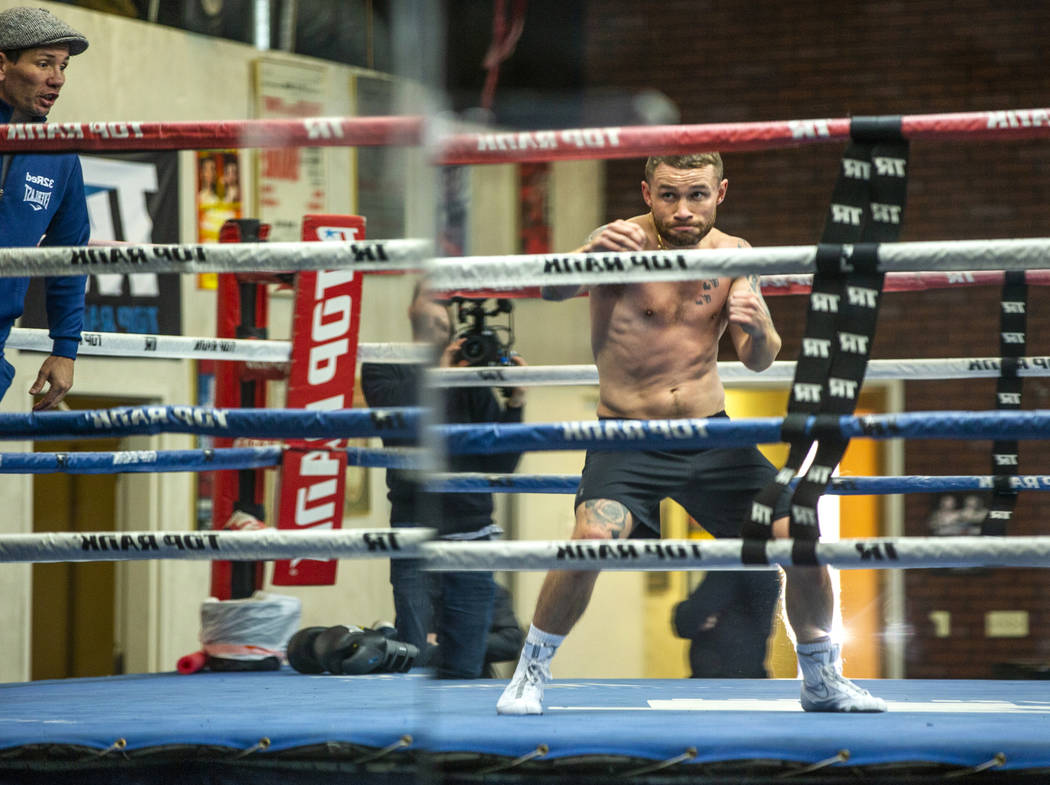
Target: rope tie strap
(866,208)
(1013,343)
(873,182)
(854,333)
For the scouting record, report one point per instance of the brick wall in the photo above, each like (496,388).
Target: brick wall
(724,62)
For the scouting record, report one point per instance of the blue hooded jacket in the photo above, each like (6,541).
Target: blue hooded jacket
(42,196)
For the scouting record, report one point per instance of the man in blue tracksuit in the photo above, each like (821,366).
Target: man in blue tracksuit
(41,194)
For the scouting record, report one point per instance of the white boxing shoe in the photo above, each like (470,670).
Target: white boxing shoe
(824,688)
(524,694)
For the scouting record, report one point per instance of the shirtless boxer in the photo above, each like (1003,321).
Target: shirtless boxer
(656,348)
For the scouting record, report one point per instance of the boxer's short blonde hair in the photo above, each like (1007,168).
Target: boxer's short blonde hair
(691,161)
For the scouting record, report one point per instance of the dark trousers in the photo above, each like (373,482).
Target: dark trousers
(457,606)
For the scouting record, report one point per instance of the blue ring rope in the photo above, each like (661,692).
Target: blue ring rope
(495,437)
(696,433)
(400,422)
(840,486)
(205,460)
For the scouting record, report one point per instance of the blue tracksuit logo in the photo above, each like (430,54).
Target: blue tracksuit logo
(35,196)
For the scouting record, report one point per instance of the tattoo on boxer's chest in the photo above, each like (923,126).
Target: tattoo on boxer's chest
(704,297)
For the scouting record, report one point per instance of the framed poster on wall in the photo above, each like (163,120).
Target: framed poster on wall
(218,199)
(290,181)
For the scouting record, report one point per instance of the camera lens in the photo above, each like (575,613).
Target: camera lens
(474,349)
(480,348)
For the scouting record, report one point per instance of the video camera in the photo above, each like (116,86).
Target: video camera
(484,344)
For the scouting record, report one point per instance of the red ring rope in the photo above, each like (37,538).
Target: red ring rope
(506,146)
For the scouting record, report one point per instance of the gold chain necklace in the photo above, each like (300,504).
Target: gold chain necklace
(659,239)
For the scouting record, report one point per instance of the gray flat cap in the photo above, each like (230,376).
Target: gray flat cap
(30,28)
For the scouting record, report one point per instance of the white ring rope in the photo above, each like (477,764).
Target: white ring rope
(661,555)
(215,258)
(644,555)
(190,348)
(208,545)
(487,272)
(481,272)
(779,372)
(237,349)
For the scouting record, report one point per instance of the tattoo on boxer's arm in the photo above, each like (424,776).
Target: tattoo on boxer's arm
(609,516)
(756,286)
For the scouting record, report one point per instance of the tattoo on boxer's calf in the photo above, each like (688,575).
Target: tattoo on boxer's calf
(607,515)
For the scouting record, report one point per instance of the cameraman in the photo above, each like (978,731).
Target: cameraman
(461,611)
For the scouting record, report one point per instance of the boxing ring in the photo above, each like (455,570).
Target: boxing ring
(280,726)
(376,725)
(405,724)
